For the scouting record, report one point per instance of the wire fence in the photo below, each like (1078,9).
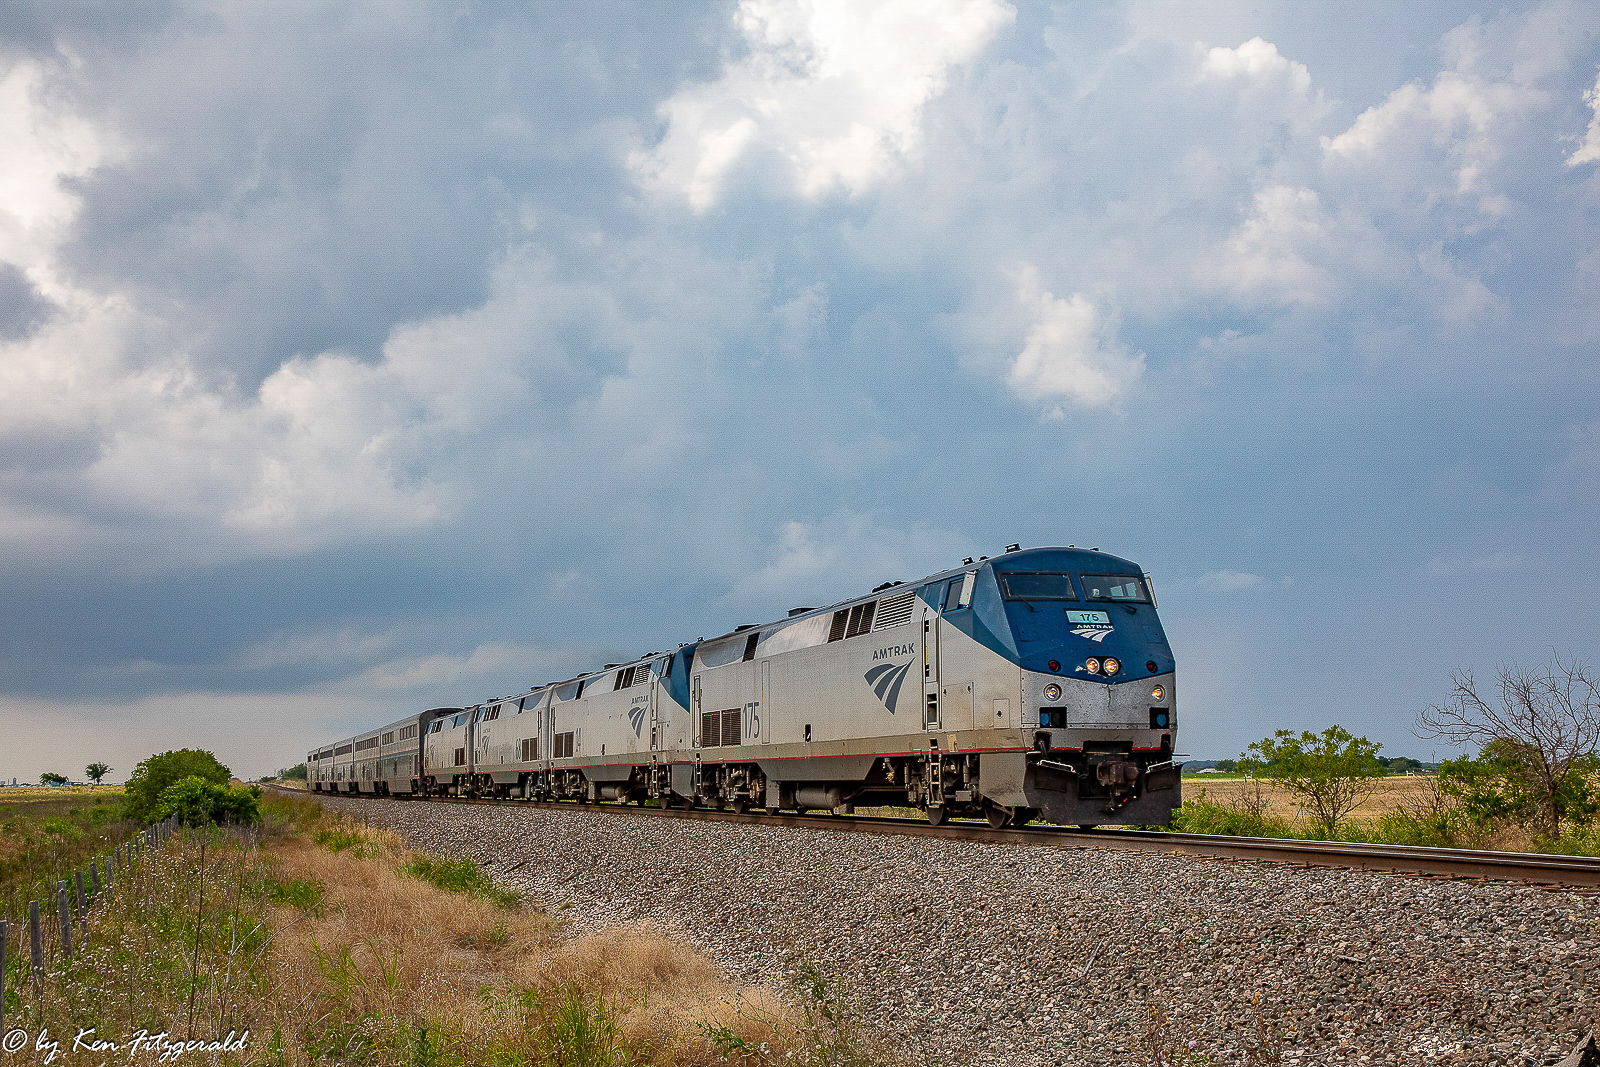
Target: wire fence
(31,946)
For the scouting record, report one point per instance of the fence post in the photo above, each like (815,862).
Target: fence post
(65,909)
(38,946)
(83,911)
(110,876)
(5,930)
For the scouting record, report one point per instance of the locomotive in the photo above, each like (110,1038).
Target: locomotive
(1035,684)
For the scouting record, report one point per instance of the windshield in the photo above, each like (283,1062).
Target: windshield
(1025,585)
(1115,587)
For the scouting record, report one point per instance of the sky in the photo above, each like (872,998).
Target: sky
(357,358)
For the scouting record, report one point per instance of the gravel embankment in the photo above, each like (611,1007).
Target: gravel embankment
(997,954)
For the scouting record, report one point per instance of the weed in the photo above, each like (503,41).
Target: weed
(296,893)
(340,839)
(461,876)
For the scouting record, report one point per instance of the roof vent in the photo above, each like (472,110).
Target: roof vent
(1014,548)
(799,611)
(966,561)
(746,626)
(608,666)
(881,588)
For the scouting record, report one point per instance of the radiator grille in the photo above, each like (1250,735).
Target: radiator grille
(894,610)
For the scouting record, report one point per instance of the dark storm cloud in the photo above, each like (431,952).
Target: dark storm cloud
(302,180)
(21,306)
(402,356)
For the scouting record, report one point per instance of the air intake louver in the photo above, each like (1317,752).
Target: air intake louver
(894,610)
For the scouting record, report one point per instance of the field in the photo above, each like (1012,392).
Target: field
(45,833)
(1389,794)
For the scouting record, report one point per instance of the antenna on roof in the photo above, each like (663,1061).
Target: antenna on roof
(1014,548)
(966,561)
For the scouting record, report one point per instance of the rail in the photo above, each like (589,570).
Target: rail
(1530,867)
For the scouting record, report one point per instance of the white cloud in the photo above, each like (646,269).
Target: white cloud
(1465,115)
(1226,581)
(45,144)
(1266,255)
(1071,353)
(835,88)
(1588,151)
(1260,63)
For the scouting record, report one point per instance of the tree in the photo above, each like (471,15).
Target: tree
(52,778)
(97,771)
(156,773)
(198,801)
(1329,773)
(1538,735)
(297,773)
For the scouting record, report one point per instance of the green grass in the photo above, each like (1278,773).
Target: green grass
(461,876)
(296,893)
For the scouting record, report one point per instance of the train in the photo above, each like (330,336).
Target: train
(1037,684)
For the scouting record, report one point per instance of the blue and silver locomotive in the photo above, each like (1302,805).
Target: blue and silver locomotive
(1037,684)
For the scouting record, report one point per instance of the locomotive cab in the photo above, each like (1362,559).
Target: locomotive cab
(1099,718)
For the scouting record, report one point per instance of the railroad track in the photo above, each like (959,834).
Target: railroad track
(1581,872)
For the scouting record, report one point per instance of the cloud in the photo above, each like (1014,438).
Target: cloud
(1071,353)
(834,89)
(1259,62)
(1267,256)
(1226,581)
(1588,150)
(813,562)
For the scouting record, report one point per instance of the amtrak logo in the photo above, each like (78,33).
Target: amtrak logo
(1091,624)
(886,680)
(636,716)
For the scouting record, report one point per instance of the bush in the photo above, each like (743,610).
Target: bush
(197,802)
(154,775)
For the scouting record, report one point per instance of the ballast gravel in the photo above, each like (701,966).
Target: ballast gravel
(972,953)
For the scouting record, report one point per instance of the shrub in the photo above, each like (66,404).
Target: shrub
(154,775)
(197,802)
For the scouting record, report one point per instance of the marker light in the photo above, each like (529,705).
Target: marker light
(1052,692)
(1157,693)
(1150,665)
(1093,665)
(1054,665)
(1112,665)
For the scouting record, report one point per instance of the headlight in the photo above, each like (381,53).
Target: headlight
(1093,665)
(1112,666)
(1052,692)
(1157,693)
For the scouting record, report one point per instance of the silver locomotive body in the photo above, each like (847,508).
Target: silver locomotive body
(1036,684)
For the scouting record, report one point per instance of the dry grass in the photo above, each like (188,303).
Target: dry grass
(316,937)
(400,958)
(1389,794)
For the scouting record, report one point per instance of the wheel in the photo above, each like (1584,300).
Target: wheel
(936,815)
(999,817)
(1088,825)
(1023,816)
